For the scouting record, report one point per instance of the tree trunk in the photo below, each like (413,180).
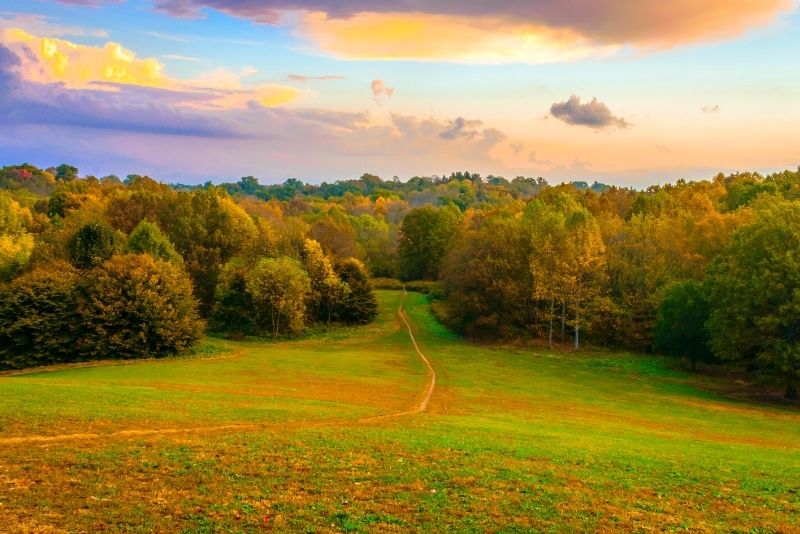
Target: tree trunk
(550,334)
(577,329)
(563,321)
(791,391)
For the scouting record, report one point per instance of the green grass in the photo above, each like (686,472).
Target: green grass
(514,440)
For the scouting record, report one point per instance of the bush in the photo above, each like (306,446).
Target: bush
(135,306)
(434,290)
(387,283)
(37,317)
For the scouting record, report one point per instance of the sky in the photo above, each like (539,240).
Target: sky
(627,92)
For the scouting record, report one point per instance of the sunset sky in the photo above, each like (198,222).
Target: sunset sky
(629,92)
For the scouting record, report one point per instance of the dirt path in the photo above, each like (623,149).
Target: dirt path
(420,407)
(423,404)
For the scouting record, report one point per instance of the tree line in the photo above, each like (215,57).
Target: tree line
(96,268)
(701,270)
(705,270)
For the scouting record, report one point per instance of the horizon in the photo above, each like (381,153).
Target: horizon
(191,90)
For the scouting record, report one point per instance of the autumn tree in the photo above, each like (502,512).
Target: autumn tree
(547,260)
(486,277)
(16,242)
(359,305)
(585,265)
(279,288)
(325,283)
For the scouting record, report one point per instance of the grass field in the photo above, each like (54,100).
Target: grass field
(288,437)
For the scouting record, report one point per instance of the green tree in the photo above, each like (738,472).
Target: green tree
(425,235)
(135,306)
(91,245)
(234,309)
(148,238)
(208,229)
(681,324)
(755,294)
(279,288)
(66,173)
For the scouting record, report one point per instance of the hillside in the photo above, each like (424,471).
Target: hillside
(321,435)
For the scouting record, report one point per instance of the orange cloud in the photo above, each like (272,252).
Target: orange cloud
(419,36)
(50,60)
(498,31)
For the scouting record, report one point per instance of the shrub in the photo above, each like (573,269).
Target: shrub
(134,306)
(37,317)
(387,283)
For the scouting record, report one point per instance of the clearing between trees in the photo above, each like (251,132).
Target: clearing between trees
(308,436)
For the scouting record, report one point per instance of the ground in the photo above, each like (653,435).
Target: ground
(332,434)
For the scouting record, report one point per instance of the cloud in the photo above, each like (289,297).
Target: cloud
(380,89)
(461,127)
(500,31)
(710,109)
(183,133)
(179,57)
(111,67)
(593,114)
(303,79)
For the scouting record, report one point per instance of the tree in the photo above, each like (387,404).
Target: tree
(37,317)
(208,229)
(234,309)
(585,262)
(135,306)
(148,238)
(486,277)
(681,324)
(425,235)
(324,280)
(360,304)
(66,173)
(547,261)
(755,294)
(279,288)
(16,244)
(91,245)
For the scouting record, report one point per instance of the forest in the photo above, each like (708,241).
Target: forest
(707,271)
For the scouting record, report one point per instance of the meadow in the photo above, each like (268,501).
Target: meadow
(322,435)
